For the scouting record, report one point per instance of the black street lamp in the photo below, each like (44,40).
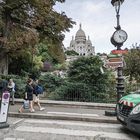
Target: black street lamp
(117,39)
(117,4)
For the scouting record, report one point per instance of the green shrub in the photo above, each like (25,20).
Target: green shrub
(50,82)
(131,87)
(72,92)
(19,81)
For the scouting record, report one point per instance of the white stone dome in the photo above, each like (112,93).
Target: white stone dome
(80,34)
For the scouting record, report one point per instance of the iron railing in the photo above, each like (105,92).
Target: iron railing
(106,95)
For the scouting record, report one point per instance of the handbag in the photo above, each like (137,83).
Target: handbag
(26,104)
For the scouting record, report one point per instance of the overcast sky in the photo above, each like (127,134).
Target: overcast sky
(98,19)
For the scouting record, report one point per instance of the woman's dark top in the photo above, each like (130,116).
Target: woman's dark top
(29,90)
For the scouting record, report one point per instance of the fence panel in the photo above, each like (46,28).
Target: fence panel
(97,93)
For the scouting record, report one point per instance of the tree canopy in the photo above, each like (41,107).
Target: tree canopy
(88,70)
(71,52)
(132,60)
(87,82)
(24,23)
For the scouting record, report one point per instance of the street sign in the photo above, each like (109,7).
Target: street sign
(115,59)
(119,51)
(4,109)
(114,62)
(113,65)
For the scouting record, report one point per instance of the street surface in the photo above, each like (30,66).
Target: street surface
(63,112)
(36,129)
(59,109)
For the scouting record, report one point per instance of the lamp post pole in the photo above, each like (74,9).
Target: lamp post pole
(118,38)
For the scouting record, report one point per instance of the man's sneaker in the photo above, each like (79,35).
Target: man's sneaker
(42,108)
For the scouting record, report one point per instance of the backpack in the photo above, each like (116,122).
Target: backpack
(15,88)
(39,89)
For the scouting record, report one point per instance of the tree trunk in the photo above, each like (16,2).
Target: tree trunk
(3,63)
(3,54)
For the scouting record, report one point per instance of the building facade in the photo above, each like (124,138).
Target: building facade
(81,45)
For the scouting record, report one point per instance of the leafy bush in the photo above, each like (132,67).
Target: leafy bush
(131,87)
(71,52)
(72,92)
(87,70)
(50,82)
(19,81)
(79,92)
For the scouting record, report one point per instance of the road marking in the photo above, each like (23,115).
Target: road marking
(76,114)
(16,122)
(13,139)
(69,132)
(9,139)
(103,125)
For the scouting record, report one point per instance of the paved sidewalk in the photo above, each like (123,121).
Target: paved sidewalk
(74,104)
(91,112)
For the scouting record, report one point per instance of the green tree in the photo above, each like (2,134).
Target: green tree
(87,70)
(87,82)
(25,22)
(132,60)
(44,52)
(71,52)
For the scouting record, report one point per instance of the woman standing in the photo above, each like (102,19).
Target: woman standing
(28,95)
(11,88)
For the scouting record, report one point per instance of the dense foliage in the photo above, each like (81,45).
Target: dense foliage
(71,52)
(87,70)
(132,69)
(24,23)
(20,84)
(85,82)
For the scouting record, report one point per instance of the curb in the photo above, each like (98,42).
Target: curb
(64,117)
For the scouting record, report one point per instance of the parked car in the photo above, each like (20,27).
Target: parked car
(128,111)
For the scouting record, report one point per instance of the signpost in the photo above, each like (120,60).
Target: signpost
(119,51)
(114,61)
(4,109)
